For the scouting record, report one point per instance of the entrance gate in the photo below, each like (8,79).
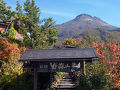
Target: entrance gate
(57,60)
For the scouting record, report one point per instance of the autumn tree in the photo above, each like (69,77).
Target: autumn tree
(70,41)
(10,67)
(109,54)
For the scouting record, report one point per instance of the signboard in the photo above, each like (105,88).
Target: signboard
(59,67)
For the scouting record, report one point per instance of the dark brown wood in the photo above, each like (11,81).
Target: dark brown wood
(51,80)
(84,70)
(60,59)
(35,78)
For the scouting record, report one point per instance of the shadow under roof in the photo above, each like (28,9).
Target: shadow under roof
(66,54)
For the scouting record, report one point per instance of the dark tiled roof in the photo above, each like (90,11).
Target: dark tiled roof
(58,54)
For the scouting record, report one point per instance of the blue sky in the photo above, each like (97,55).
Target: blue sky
(65,10)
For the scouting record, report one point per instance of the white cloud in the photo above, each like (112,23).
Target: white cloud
(58,13)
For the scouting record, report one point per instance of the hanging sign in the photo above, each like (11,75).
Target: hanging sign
(59,67)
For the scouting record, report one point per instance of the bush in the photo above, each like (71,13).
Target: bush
(97,78)
(84,83)
(99,75)
(99,81)
(22,82)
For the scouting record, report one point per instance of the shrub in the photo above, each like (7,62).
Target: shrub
(84,83)
(99,81)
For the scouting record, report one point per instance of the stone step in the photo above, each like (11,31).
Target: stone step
(65,89)
(66,86)
(65,79)
(65,82)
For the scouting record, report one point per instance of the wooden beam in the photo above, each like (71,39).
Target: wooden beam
(84,69)
(35,78)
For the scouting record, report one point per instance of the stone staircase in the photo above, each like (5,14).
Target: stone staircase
(66,83)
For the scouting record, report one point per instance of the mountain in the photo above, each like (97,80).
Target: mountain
(80,24)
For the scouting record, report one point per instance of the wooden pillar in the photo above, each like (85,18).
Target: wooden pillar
(84,70)
(35,78)
(50,83)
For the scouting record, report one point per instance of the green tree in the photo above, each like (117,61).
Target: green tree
(5,12)
(36,34)
(19,7)
(19,10)
(32,11)
(11,32)
(50,30)
(41,36)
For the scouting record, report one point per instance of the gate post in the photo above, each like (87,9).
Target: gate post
(35,78)
(50,83)
(84,70)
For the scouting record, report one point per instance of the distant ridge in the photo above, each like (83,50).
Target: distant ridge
(80,24)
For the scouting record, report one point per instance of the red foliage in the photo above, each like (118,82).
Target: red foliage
(8,51)
(110,55)
(79,39)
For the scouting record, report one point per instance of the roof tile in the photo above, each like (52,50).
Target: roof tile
(58,54)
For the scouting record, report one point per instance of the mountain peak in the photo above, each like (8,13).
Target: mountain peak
(90,19)
(83,16)
(87,16)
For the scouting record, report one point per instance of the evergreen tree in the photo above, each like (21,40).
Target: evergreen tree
(32,11)
(50,30)
(41,36)
(19,7)
(35,35)
(5,12)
